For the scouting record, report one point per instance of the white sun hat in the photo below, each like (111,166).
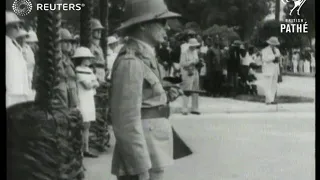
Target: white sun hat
(112,39)
(193,42)
(83,52)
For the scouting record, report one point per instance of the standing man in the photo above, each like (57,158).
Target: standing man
(111,53)
(139,103)
(190,76)
(270,68)
(70,78)
(215,69)
(233,66)
(17,84)
(99,61)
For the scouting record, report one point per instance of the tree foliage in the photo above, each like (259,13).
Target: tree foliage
(242,13)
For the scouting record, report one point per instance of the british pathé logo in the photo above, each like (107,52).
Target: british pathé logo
(294,25)
(24,7)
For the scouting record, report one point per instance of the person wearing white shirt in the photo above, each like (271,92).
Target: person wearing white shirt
(111,53)
(29,58)
(190,76)
(270,69)
(295,60)
(17,84)
(306,66)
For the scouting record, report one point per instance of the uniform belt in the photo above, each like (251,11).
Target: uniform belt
(155,112)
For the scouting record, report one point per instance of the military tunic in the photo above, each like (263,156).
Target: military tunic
(141,144)
(71,80)
(99,61)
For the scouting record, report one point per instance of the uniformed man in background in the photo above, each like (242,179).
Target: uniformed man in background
(99,61)
(139,103)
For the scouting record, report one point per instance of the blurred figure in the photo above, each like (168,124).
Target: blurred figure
(295,60)
(301,61)
(29,58)
(214,70)
(190,76)
(32,41)
(313,63)
(270,69)
(233,66)
(17,83)
(69,75)
(111,54)
(99,62)
(164,53)
(175,58)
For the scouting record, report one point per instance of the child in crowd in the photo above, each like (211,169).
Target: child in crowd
(87,83)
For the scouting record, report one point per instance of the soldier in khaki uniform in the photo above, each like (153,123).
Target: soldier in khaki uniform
(139,103)
(99,61)
(69,75)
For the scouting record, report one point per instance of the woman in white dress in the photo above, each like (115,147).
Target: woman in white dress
(86,83)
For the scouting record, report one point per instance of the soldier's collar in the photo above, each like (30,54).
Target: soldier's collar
(146,45)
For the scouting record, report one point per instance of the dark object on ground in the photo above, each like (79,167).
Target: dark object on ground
(180,149)
(279,99)
(195,112)
(89,154)
(173,80)
(190,92)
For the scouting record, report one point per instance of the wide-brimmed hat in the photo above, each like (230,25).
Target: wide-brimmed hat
(96,24)
(193,42)
(12,18)
(273,41)
(138,11)
(32,36)
(112,39)
(237,43)
(83,52)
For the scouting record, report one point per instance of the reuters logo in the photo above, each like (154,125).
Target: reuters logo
(22,7)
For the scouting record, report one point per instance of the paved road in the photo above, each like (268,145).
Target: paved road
(253,146)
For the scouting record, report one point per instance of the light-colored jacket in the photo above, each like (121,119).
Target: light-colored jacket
(188,60)
(136,84)
(270,68)
(30,61)
(17,83)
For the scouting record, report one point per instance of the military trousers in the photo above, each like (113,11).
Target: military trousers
(270,90)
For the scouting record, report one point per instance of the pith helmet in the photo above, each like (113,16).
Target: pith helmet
(96,24)
(32,36)
(12,18)
(273,41)
(138,11)
(83,52)
(193,42)
(65,35)
(112,39)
